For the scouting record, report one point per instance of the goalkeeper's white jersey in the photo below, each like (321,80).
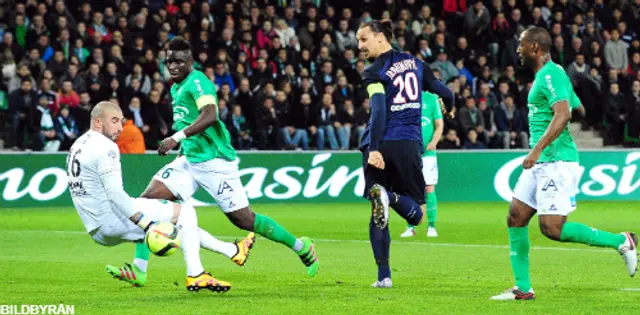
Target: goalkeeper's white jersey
(93,165)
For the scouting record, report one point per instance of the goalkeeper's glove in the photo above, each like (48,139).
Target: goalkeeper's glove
(145,223)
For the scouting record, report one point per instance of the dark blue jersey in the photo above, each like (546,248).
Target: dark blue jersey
(403,78)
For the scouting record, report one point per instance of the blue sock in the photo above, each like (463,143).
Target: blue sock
(380,241)
(406,207)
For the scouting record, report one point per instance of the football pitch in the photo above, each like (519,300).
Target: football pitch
(47,258)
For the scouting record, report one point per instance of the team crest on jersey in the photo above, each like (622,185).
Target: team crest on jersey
(179,112)
(112,154)
(426,121)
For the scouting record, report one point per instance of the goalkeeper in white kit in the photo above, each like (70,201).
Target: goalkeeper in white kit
(111,217)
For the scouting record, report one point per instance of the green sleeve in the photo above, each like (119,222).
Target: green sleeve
(436,110)
(556,87)
(203,91)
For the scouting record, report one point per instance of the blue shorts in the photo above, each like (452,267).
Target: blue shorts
(403,169)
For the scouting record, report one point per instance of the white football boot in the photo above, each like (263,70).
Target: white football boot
(513,294)
(384,283)
(431,232)
(409,232)
(629,252)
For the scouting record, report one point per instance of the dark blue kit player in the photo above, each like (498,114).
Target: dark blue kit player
(392,142)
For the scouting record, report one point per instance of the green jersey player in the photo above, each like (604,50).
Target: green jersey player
(207,159)
(549,181)
(432,126)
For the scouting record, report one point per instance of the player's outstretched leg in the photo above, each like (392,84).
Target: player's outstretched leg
(556,228)
(197,277)
(304,247)
(237,251)
(518,219)
(135,274)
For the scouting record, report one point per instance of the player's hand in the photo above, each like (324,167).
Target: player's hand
(166,145)
(431,146)
(531,159)
(376,160)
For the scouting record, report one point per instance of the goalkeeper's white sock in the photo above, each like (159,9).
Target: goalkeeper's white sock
(207,241)
(188,221)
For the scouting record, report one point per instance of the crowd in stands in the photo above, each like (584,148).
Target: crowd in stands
(288,72)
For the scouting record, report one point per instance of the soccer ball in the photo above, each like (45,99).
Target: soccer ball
(163,239)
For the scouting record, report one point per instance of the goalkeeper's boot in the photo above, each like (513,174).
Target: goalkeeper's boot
(629,252)
(513,294)
(308,256)
(206,281)
(244,246)
(379,205)
(128,273)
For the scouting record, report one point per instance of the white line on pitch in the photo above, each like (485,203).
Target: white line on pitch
(324,240)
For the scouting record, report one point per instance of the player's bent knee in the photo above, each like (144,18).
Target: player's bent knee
(242,218)
(157,190)
(519,214)
(551,227)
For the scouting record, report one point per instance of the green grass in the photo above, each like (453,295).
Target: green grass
(46,258)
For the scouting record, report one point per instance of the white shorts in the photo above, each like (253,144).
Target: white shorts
(220,178)
(119,229)
(430,170)
(550,188)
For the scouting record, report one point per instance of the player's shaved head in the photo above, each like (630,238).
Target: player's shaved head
(106,118)
(539,36)
(103,107)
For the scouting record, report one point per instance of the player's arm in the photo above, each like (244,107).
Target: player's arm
(576,104)
(437,133)
(110,174)
(377,101)
(558,97)
(433,85)
(207,103)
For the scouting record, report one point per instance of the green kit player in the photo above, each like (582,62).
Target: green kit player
(432,125)
(549,181)
(207,159)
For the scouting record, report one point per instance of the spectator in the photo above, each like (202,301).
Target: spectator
(223,77)
(23,104)
(67,96)
(615,52)
(346,119)
(578,69)
(131,140)
(145,81)
(476,23)
(632,117)
(66,128)
(511,124)
(242,137)
(77,82)
(450,141)
(446,68)
(489,133)
(267,124)
(471,117)
(472,142)
(49,139)
(614,110)
(345,38)
(327,120)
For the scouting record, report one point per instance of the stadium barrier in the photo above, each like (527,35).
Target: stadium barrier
(38,180)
